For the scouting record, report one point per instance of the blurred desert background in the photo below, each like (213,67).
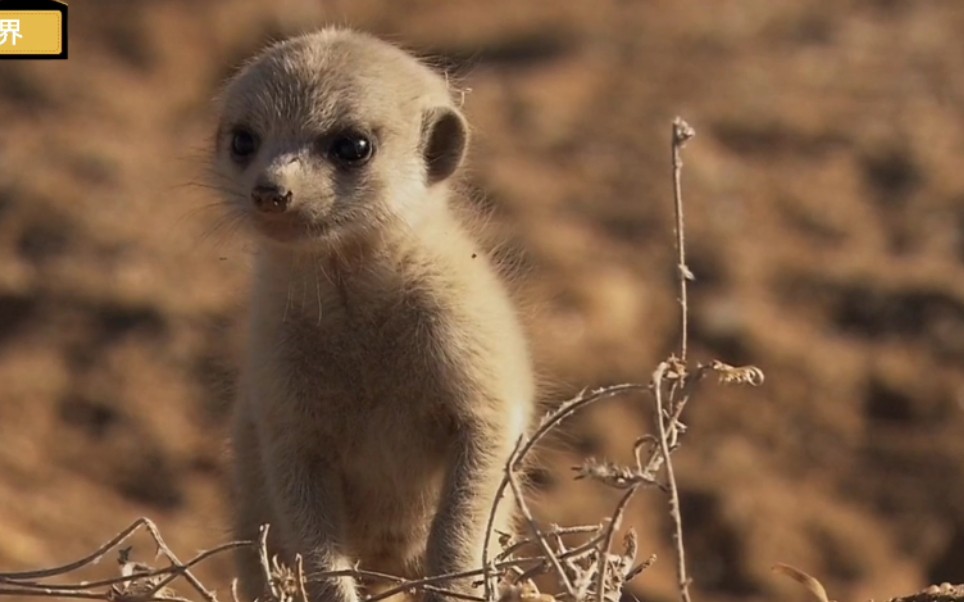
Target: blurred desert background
(825,201)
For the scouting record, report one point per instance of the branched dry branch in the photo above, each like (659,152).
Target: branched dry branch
(585,569)
(136,582)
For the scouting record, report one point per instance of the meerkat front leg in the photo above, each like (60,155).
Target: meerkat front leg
(457,537)
(307,499)
(252,506)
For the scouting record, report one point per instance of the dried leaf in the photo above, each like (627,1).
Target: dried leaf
(811,583)
(614,475)
(738,375)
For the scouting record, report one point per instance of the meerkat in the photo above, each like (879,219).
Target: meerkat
(386,378)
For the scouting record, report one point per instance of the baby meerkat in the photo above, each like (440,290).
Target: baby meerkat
(386,377)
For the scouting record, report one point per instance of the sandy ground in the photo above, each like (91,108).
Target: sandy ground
(825,202)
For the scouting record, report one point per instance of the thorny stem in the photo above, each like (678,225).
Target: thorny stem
(568,409)
(555,532)
(83,590)
(55,593)
(169,573)
(300,575)
(427,583)
(524,446)
(25,587)
(265,563)
(176,571)
(540,536)
(674,510)
(608,543)
(682,132)
(490,527)
(163,548)
(92,558)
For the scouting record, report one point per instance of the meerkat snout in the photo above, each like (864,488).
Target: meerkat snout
(276,188)
(270,198)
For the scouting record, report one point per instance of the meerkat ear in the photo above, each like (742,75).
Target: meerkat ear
(444,138)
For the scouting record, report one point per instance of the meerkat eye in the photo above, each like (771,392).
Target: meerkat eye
(351,149)
(243,144)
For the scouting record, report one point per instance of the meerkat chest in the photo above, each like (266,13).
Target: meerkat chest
(375,382)
(374,363)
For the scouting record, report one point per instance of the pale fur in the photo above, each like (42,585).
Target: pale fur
(386,378)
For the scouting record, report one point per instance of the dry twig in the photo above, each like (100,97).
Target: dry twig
(682,132)
(136,581)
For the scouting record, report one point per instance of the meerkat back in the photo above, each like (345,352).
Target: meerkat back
(386,378)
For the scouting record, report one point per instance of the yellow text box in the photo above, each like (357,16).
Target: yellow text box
(31,32)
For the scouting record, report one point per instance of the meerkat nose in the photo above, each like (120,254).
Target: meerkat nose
(271,198)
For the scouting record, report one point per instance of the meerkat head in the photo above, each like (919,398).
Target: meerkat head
(331,134)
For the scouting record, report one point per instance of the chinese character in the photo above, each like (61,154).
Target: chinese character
(10,29)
